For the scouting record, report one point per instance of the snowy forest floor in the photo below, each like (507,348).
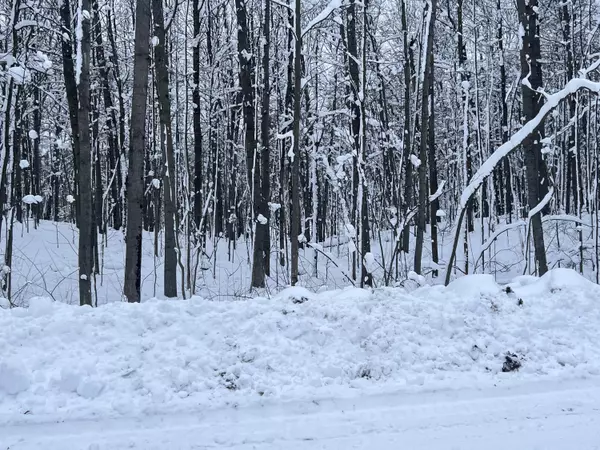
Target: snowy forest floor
(45,261)
(303,370)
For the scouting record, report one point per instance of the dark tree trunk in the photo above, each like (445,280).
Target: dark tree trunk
(572,147)
(407,141)
(262,244)
(196,119)
(433,175)
(114,179)
(467,102)
(135,178)
(72,95)
(166,143)
(536,174)
(423,188)
(506,169)
(86,226)
(295,215)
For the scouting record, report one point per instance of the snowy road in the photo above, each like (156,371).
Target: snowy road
(546,416)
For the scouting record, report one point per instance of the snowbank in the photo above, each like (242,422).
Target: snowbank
(62,361)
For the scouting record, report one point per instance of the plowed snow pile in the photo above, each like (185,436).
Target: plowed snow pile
(60,361)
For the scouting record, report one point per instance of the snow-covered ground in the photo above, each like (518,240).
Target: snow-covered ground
(545,416)
(340,369)
(45,261)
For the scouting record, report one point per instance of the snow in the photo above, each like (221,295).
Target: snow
(415,161)
(70,198)
(32,134)
(474,285)
(323,15)
(14,379)
(43,59)
(370,263)
(155,41)
(23,164)
(551,102)
(19,74)
(547,416)
(61,361)
(30,199)
(541,204)
(25,23)
(40,306)
(262,219)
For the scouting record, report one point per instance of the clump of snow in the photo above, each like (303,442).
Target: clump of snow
(566,279)
(90,388)
(415,161)
(32,134)
(40,306)
(23,164)
(120,358)
(262,219)
(474,285)
(370,263)
(70,198)
(13,377)
(30,199)
(419,279)
(295,294)
(20,75)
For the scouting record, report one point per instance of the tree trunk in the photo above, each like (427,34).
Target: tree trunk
(111,124)
(423,188)
(407,141)
(135,178)
(295,215)
(261,256)
(196,118)
(72,95)
(506,169)
(166,138)
(86,226)
(531,70)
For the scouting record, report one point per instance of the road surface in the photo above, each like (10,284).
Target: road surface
(542,416)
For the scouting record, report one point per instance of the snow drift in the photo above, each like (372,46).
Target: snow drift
(62,361)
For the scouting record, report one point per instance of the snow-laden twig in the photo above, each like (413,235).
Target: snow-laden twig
(323,15)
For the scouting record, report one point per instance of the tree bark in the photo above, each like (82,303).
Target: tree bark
(166,138)
(295,216)
(135,178)
(536,174)
(422,170)
(86,225)
(261,253)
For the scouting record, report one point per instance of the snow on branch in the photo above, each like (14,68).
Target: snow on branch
(541,204)
(439,191)
(552,101)
(323,15)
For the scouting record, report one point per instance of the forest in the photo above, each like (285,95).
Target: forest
(318,143)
